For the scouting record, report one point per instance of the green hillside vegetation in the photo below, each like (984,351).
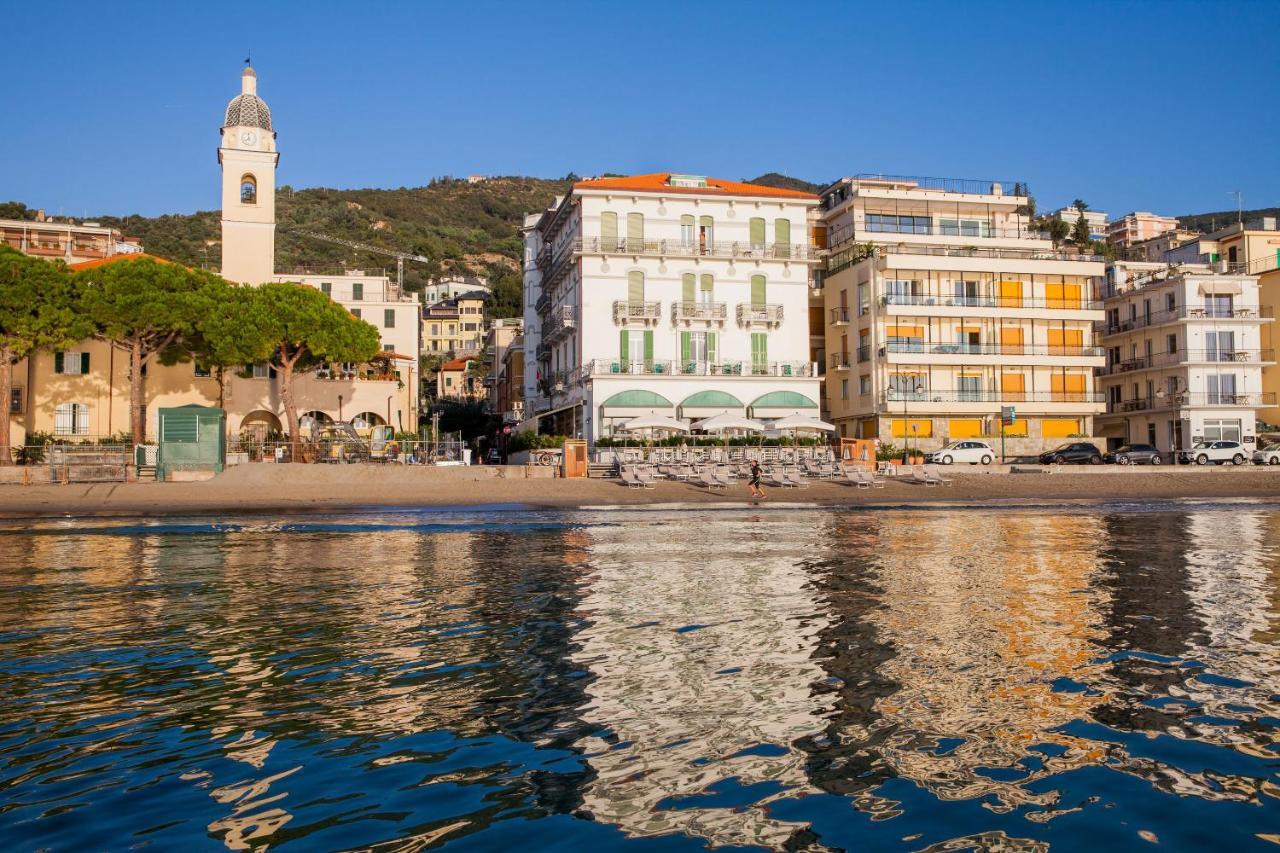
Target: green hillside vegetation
(786,182)
(1206,223)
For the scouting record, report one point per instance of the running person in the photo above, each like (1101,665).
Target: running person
(756,491)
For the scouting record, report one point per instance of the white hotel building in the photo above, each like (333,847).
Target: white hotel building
(1184,355)
(667,294)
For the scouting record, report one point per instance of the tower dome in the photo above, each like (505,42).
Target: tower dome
(247,109)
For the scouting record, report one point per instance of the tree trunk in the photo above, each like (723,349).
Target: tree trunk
(6,393)
(137,389)
(290,410)
(222,386)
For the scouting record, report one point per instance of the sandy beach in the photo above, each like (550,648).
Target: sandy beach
(287,488)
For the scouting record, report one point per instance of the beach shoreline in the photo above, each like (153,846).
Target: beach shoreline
(270,488)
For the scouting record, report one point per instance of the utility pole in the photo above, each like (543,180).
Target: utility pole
(1239,206)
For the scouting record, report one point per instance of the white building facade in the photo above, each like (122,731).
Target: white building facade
(667,294)
(1184,355)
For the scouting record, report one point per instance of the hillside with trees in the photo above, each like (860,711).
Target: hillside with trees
(1206,223)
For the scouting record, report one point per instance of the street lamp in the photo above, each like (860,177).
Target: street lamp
(906,444)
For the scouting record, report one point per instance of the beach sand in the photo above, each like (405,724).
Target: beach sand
(286,488)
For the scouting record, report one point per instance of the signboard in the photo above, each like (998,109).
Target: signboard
(1008,415)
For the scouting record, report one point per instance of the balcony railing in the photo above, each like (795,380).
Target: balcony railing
(1166,359)
(759,315)
(543,303)
(864,353)
(991,396)
(952,300)
(647,367)
(636,312)
(709,312)
(697,248)
(1184,312)
(562,321)
(989,252)
(1184,399)
(933,348)
(838,360)
(839,316)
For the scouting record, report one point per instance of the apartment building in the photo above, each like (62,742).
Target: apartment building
(1184,355)
(943,307)
(673,294)
(452,286)
(456,380)
(455,325)
(497,340)
(510,384)
(376,299)
(1098,221)
(68,241)
(1156,249)
(1138,226)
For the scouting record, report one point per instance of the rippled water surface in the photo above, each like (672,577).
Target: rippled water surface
(1078,680)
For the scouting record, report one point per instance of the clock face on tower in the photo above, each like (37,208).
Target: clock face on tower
(248,137)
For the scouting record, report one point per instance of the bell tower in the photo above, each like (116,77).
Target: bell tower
(248,157)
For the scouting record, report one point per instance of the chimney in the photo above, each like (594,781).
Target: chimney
(40,215)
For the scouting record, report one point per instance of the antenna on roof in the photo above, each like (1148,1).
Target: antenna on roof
(248,58)
(1239,205)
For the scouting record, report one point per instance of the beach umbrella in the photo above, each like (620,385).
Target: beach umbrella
(655,422)
(720,423)
(802,423)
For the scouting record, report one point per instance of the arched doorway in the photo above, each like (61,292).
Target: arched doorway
(365,420)
(311,421)
(259,426)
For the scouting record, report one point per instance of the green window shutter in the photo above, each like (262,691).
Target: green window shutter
(757,291)
(759,349)
(624,346)
(684,348)
(84,362)
(713,351)
(782,231)
(648,347)
(57,362)
(757,231)
(635,231)
(706,222)
(687,219)
(687,283)
(708,283)
(635,286)
(609,228)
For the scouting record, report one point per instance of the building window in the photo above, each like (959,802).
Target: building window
(892,224)
(864,385)
(389,318)
(71,419)
(844,389)
(964,227)
(326,288)
(357,291)
(248,190)
(261,371)
(71,363)
(388,348)
(1172,342)
(200,371)
(355,312)
(435,329)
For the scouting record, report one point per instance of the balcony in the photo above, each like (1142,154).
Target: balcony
(838,361)
(1011,302)
(864,353)
(839,317)
(991,396)
(621,367)
(543,303)
(1257,357)
(992,253)
(759,315)
(697,249)
(702,312)
(636,312)
(1197,399)
(1014,350)
(562,321)
(1177,315)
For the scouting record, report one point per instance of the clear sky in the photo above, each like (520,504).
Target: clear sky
(1164,106)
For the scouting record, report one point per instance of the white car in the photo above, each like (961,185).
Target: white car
(1267,456)
(973,452)
(1217,452)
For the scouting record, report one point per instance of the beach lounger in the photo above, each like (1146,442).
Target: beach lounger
(721,476)
(871,479)
(919,476)
(630,480)
(707,478)
(775,479)
(646,478)
(855,479)
(794,480)
(937,475)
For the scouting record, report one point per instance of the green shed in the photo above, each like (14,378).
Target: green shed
(192,438)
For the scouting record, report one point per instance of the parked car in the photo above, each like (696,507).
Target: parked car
(973,452)
(1267,455)
(1217,452)
(1134,454)
(1073,453)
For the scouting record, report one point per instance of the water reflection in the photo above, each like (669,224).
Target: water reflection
(780,680)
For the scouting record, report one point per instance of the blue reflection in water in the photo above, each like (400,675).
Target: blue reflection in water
(1084,679)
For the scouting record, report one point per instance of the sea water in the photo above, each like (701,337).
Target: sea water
(1083,678)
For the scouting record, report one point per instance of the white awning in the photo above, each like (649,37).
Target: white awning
(1220,288)
(655,422)
(720,423)
(802,423)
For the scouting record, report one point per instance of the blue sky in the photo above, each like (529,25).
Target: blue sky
(1160,106)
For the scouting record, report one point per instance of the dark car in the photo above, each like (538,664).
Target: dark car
(1075,453)
(1134,454)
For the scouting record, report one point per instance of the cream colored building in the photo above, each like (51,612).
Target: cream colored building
(942,308)
(68,241)
(83,393)
(1139,226)
(455,325)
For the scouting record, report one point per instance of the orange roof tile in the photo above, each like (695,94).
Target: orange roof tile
(457,364)
(123,256)
(658,182)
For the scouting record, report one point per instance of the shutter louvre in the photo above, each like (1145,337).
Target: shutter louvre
(684,348)
(687,287)
(57,362)
(609,229)
(84,362)
(648,348)
(635,287)
(757,291)
(757,231)
(624,346)
(635,231)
